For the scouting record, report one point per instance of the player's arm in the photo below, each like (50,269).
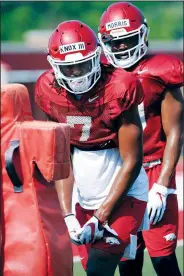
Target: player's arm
(172,110)
(131,151)
(64,188)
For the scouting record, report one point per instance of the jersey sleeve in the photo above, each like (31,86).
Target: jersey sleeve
(168,69)
(131,96)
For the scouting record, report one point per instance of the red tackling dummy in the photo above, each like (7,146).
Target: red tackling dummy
(33,236)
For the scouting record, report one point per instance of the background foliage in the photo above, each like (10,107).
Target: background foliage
(164,18)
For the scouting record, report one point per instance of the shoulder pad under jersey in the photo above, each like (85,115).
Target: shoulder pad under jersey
(168,69)
(46,91)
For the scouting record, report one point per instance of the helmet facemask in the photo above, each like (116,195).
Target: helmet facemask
(77,74)
(126,57)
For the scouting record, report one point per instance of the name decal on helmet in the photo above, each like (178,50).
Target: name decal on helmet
(79,46)
(117,24)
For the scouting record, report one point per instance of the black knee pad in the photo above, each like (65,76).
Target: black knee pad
(166,265)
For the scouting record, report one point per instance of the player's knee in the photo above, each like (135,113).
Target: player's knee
(92,270)
(101,263)
(97,269)
(95,264)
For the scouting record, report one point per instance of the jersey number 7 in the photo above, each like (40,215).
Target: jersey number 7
(80,120)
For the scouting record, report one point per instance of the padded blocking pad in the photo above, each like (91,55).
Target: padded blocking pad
(15,103)
(33,236)
(47,145)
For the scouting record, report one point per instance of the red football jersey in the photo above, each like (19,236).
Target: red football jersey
(94,118)
(156,73)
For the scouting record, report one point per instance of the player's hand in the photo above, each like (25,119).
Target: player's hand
(73,227)
(94,230)
(157,202)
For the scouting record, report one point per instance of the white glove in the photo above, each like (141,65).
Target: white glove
(93,230)
(157,202)
(73,227)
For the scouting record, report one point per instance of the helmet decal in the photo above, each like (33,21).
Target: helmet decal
(68,48)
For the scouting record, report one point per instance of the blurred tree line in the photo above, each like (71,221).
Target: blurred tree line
(164,18)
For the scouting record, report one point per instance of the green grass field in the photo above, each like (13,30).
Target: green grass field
(147,271)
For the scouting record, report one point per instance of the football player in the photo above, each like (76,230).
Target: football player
(106,140)
(123,34)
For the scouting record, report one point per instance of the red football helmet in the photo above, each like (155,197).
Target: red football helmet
(123,34)
(74,54)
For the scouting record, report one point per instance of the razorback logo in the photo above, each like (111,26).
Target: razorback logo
(112,240)
(79,46)
(170,237)
(117,24)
